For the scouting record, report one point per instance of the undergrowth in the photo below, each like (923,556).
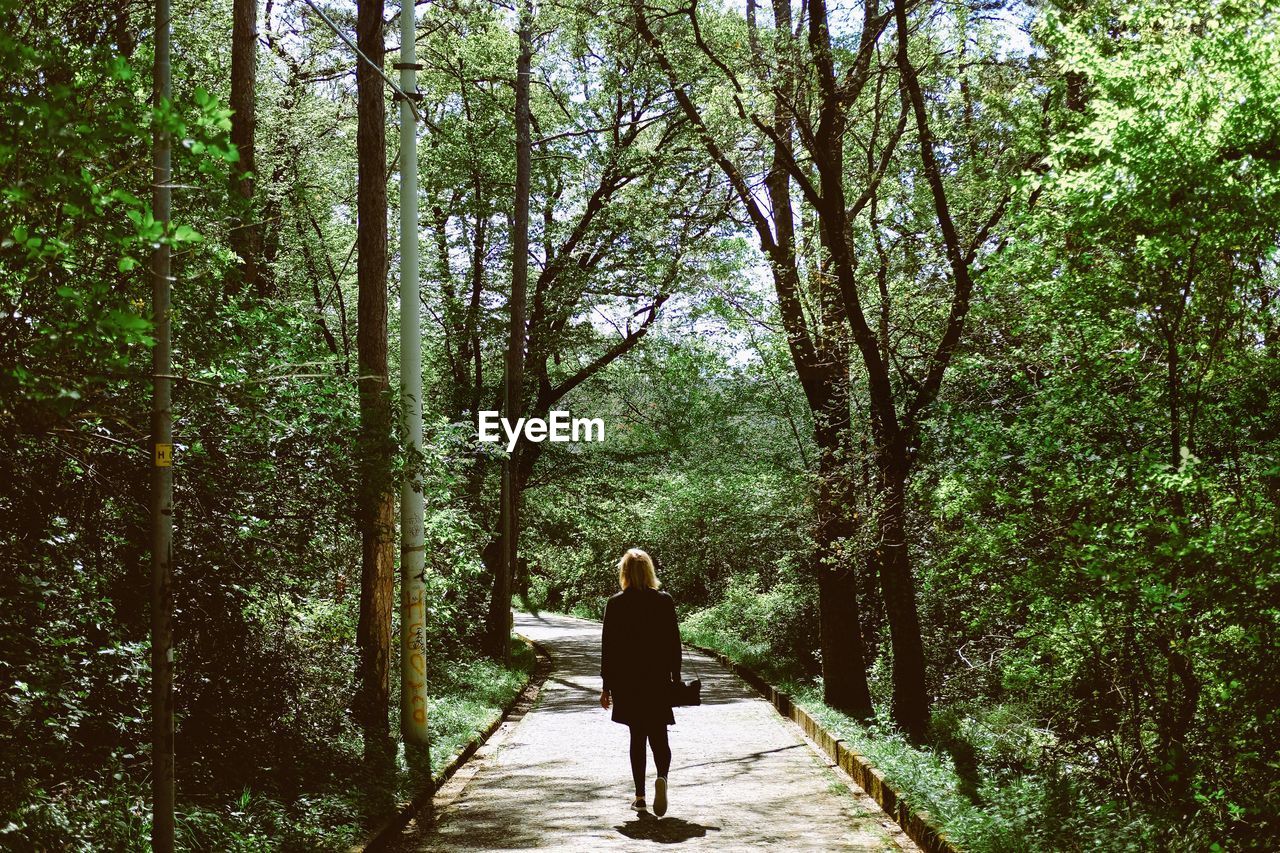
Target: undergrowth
(329,811)
(991,779)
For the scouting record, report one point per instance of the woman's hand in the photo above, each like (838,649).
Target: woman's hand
(604,699)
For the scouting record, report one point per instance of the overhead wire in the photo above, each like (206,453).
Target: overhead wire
(400,93)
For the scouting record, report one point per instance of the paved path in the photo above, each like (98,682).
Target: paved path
(742,777)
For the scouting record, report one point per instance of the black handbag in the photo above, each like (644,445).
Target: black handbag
(685,693)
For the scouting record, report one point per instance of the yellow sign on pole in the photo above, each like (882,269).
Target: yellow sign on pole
(164,455)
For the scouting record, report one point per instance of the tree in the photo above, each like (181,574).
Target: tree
(499,628)
(819,350)
(635,223)
(246,233)
(377,506)
(832,77)
(1174,157)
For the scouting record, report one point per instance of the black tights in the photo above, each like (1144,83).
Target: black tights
(657,737)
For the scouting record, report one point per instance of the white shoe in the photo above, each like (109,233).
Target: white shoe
(660,796)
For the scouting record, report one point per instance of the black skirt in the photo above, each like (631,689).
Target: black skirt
(640,706)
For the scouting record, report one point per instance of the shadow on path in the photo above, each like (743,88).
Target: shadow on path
(663,830)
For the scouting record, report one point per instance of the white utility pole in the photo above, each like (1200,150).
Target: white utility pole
(413,587)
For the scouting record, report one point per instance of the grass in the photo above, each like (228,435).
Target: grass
(928,779)
(471,698)
(757,655)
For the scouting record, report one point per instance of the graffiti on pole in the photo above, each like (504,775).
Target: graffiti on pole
(414,671)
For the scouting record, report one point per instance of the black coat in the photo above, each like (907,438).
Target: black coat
(640,655)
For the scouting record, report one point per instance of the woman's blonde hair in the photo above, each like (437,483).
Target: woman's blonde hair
(636,569)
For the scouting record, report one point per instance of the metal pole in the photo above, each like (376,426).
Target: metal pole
(413,613)
(161,470)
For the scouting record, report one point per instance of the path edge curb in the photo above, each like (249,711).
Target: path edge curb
(388,827)
(917,824)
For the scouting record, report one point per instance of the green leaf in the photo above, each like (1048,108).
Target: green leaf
(118,68)
(126,197)
(127,322)
(186,234)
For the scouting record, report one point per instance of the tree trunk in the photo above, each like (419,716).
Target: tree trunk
(871,611)
(498,624)
(376,511)
(824,368)
(844,676)
(898,586)
(911,701)
(246,237)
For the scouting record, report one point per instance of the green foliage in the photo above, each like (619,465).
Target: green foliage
(74,236)
(322,811)
(690,471)
(1044,805)
(467,697)
(772,632)
(1100,509)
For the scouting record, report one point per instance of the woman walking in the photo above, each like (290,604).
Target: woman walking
(639,660)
